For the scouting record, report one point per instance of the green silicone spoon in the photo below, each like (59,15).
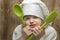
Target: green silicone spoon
(18,11)
(51,17)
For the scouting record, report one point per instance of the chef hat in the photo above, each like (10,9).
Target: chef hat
(35,8)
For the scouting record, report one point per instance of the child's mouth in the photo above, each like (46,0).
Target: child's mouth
(32,25)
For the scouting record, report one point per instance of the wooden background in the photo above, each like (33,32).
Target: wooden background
(8,20)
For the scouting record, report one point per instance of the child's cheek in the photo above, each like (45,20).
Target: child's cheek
(27,23)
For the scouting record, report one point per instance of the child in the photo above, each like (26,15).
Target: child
(35,12)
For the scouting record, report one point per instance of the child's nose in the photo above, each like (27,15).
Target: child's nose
(31,21)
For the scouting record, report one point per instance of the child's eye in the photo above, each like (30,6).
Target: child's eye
(27,18)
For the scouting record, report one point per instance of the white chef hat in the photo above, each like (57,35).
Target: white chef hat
(35,8)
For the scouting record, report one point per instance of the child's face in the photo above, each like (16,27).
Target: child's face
(32,21)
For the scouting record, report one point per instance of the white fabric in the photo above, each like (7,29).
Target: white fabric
(17,32)
(35,7)
(31,1)
(50,33)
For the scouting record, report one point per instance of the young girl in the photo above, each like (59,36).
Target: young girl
(35,12)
